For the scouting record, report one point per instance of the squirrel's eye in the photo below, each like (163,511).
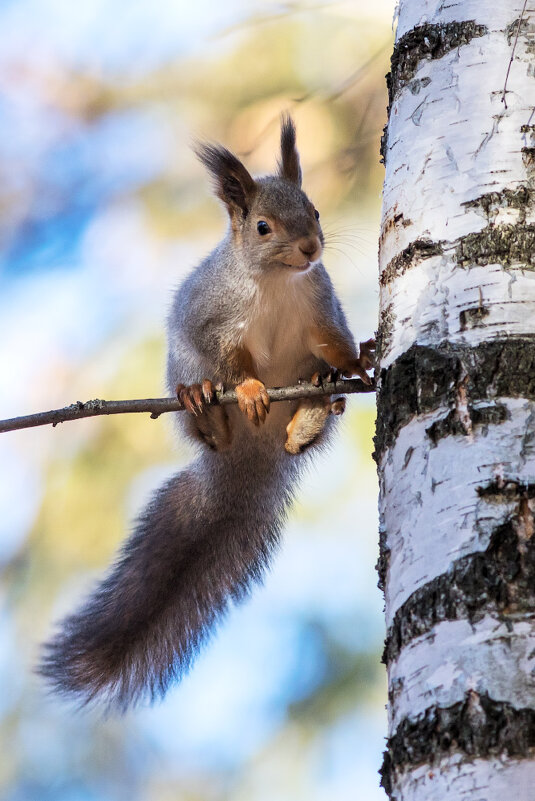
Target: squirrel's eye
(263,228)
(316,214)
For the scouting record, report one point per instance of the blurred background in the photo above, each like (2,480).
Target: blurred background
(104,209)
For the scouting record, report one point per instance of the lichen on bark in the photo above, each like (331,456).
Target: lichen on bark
(505,244)
(428,41)
(508,244)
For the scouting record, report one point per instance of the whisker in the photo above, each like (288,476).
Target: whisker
(341,236)
(349,230)
(345,256)
(349,240)
(352,246)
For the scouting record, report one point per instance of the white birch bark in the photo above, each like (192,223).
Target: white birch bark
(456,402)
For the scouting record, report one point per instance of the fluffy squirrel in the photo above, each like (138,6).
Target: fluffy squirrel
(259,311)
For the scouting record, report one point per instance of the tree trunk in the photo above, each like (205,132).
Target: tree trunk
(455,441)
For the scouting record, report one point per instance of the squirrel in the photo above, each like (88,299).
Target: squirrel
(259,311)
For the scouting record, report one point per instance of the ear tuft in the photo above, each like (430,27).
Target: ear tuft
(289,166)
(233,184)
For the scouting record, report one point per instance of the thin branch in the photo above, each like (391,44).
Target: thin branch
(504,101)
(158,406)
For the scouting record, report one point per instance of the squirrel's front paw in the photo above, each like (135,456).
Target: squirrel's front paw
(367,354)
(365,361)
(196,397)
(253,400)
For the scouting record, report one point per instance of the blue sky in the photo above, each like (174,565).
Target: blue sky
(116,36)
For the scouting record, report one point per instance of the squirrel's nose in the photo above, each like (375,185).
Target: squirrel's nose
(310,248)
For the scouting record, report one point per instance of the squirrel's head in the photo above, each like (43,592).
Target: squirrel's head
(270,217)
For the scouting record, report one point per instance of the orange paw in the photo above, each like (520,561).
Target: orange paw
(253,400)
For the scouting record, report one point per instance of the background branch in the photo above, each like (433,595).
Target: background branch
(158,406)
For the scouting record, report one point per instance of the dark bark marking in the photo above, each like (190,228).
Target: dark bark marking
(386,329)
(522,199)
(528,159)
(499,580)
(383,144)
(424,378)
(383,562)
(478,727)
(451,425)
(416,86)
(473,317)
(395,220)
(409,256)
(502,491)
(517,26)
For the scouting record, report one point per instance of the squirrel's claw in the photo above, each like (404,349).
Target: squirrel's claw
(208,391)
(253,400)
(356,369)
(350,367)
(196,397)
(330,377)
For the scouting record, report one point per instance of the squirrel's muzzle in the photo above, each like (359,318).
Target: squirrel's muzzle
(304,251)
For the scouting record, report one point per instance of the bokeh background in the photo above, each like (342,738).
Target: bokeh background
(103,210)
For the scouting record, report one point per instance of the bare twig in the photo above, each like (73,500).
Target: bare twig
(158,406)
(504,101)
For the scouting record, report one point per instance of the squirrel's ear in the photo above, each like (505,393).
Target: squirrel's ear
(232,182)
(289,166)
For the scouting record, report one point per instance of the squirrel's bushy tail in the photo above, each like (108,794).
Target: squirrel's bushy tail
(205,536)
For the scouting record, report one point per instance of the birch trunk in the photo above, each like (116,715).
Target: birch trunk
(455,441)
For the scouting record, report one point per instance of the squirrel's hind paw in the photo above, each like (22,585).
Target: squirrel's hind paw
(308,422)
(253,400)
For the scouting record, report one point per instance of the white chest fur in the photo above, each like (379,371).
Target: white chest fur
(277,327)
